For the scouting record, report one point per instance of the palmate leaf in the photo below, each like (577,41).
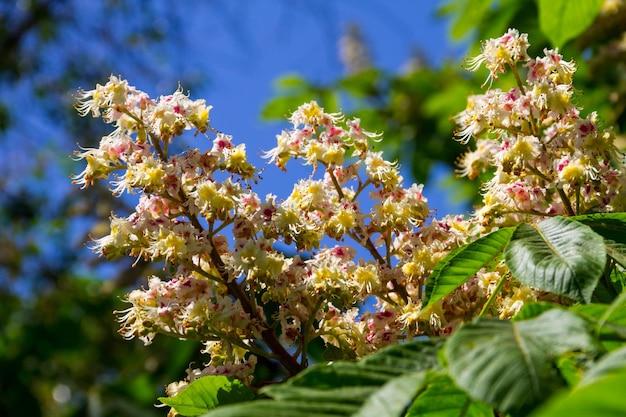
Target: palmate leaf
(512,365)
(463,263)
(381,385)
(559,255)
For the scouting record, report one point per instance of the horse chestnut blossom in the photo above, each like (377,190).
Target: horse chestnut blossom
(232,288)
(365,244)
(547,158)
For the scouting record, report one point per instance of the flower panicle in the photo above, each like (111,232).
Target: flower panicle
(355,230)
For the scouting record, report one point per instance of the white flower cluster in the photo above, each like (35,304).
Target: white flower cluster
(361,236)
(547,159)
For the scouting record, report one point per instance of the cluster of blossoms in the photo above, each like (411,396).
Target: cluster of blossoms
(548,159)
(365,245)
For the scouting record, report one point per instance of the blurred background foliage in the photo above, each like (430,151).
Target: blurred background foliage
(60,354)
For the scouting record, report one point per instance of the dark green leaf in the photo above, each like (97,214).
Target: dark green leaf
(609,321)
(559,255)
(206,393)
(463,263)
(511,365)
(381,385)
(611,363)
(605,397)
(562,20)
(407,357)
(612,227)
(394,397)
(442,398)
(297,408)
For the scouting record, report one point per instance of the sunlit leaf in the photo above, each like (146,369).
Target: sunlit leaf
(559,255)
(463,263)
(511,365)
(562,20)
(282,107)
(471,15)
(206,393)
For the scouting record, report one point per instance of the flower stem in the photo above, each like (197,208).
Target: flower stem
(493,296)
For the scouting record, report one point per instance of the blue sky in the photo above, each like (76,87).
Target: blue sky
(237,48)
(273,40)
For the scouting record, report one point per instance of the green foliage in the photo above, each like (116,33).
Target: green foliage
(487,366)
(442,398)
(610,364)
(472,10)
(463,263)
(490,366)
(559,255)
(206,393)
(39,346)
(381,385)
(511,365)
(514,366)
(609,321)
(65,339)
(611,226)
(563,20)
(604,397)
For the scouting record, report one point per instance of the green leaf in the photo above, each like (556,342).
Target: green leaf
(612,227)
(282,107)
(559,255)
(616,251)
(512,365)
(532,310)
(206,393)
(290,81)
(469,18)
(442,398)
(604,397)
(380,385)
(562,20)
(610,363)
(609,321)
(463,263)
(296,408)
(361,84)
(394,397)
